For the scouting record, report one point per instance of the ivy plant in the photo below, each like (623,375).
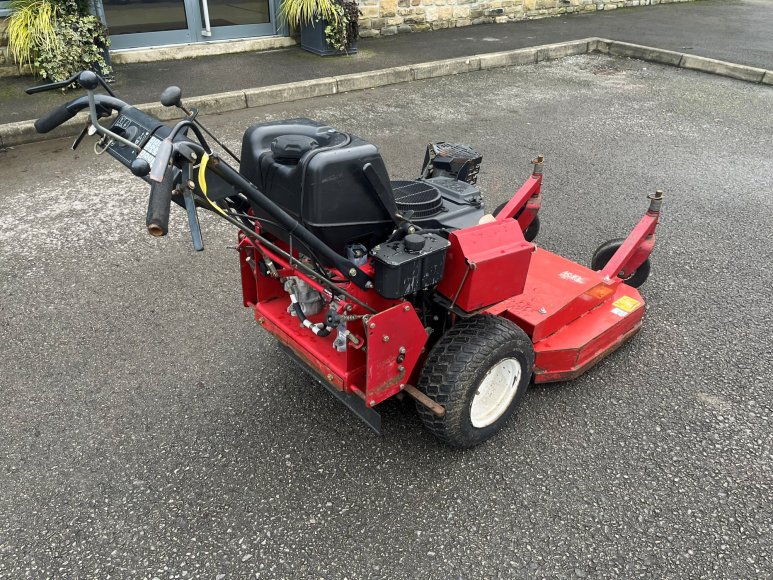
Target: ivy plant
(343,31)
(57,38)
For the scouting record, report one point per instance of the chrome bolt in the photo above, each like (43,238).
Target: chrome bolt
(386,338)
(352,272)
(406,308)
(542,310)
(373,325)
(402,350)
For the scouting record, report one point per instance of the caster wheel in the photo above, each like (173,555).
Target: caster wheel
(478,371)
(605,252)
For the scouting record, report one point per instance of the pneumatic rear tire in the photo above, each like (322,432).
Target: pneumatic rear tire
(478,371)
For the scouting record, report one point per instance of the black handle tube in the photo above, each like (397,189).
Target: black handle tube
(346,267)
(159,204)
(53,119)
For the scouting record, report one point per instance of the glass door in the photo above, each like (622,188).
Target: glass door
(225,19)
(143,23)
(135,23)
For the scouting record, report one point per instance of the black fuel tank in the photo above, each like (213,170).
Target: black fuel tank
(318,179)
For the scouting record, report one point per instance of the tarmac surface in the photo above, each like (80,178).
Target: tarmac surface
(733,30)
(151,429)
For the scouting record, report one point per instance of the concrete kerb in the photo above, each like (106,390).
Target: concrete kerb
(374,78)
(180,51)
(508,58)
(24,132)
(647,53)
(726,69)
(682,60)
(290,92)
(442,68)
(562,49)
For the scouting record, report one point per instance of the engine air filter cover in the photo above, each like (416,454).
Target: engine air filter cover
(420,197)
(453,160)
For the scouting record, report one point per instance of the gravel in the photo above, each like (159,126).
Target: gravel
(150,429)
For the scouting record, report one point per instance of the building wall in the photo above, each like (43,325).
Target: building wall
(4,60)
(387,17)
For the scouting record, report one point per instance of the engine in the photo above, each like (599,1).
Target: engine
(337,186)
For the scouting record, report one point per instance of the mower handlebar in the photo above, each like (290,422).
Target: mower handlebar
(105,104)
(53,119)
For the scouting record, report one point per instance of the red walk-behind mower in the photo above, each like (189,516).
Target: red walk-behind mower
(383,288)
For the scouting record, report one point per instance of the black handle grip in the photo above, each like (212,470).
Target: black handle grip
(159,203)
(54,118)
(158,169)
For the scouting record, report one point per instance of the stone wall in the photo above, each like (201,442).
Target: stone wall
(386,17)
(7,67)
(4,59)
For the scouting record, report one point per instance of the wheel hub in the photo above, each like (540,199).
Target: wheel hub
(495,393)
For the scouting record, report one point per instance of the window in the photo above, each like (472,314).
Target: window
(5,9)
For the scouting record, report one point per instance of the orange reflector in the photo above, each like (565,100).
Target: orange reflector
(600,291)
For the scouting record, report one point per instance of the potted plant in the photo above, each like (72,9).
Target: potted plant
(327,27)
(57,38)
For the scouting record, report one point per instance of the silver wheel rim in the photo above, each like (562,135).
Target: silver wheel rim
(495,393)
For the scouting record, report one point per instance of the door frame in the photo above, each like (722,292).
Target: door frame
(192,34)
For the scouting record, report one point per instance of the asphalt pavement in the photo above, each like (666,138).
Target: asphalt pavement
(737,31)
(150,428)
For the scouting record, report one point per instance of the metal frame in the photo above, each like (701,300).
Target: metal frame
(194,33)
(574,316)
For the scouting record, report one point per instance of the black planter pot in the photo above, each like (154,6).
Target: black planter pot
(313,40)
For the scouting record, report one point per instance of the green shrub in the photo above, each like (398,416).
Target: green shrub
(57,38)
(82,44)
(31,25)
(344,31)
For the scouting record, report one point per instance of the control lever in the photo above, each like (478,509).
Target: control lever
(190,209)
(80,137)
(172,97)
(66,83)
